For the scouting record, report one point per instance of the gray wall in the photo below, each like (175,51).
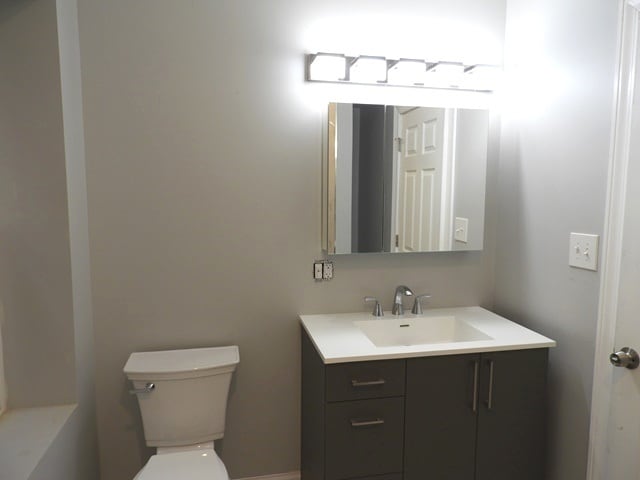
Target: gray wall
(35,275)
(44,278)
(203,169)
(553,173)
(472,128)
(76,454)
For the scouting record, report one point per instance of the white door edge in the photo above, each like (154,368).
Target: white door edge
(613,234)
(395,203)
(448,177)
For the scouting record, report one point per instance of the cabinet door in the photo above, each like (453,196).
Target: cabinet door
(511,422)
(440,427)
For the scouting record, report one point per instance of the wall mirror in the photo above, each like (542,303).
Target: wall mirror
(404,178)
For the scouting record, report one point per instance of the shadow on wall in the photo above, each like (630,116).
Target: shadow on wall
(9,8)
(3,385)
(129,403)
(516,277)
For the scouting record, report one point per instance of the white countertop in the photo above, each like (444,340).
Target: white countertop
(337,339)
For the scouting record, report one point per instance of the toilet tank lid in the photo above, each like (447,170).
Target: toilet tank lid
(179,361)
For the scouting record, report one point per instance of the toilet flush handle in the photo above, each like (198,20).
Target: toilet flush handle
(148,388)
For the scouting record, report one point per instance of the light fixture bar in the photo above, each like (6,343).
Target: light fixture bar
(368,69)
(327,67)
(407,72)
(445,74)
(403,72)
(483,77)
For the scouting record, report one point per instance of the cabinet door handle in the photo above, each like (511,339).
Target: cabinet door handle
(359,383)
(490,394)
(366,423)
(474,401)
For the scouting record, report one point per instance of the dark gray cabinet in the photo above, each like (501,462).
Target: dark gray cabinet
(440,432)
(453,417)
(352,418)
(512,416)
(478,416)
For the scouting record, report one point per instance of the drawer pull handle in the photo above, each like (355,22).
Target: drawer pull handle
(371,383)
(366,423)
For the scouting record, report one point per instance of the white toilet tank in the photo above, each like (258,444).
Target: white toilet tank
(188,401)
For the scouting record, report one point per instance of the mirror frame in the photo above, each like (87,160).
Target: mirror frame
(329,181)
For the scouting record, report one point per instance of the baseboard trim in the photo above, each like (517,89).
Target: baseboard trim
(275,476)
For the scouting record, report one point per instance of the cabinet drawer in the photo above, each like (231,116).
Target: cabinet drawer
(360,380)
(364,438)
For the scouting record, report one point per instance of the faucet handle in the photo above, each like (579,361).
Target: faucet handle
(417,304)
(377,309)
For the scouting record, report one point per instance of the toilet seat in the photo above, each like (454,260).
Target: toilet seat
(189,465)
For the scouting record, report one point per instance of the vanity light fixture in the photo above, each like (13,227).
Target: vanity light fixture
(485,77)
(445,74)
(367,69)
(327,67)
(407,72)
(403,72)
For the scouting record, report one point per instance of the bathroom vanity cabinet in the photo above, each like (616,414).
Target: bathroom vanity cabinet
(477,416)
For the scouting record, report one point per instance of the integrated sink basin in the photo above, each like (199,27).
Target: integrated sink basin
(407,331)
(353,337)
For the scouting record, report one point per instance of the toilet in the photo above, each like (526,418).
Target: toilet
(183,402)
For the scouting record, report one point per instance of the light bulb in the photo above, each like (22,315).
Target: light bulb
(407,72)
(367,69)
(328,67)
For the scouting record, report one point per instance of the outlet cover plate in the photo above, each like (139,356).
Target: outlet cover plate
(327,270)
(583,251)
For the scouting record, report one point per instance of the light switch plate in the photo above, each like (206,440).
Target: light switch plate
(583,251)
(461,229)
(317,270)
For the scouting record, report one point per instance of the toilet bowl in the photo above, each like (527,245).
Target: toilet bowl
(186,465)
(182,396)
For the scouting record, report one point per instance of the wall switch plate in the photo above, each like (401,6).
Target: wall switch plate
(461,229)
(322,270)
(583,251)
(327,270)
(317,270)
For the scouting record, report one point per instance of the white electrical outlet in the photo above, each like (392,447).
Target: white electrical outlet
(327,270)
(583,251)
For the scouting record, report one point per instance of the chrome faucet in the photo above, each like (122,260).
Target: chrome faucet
(401,290)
